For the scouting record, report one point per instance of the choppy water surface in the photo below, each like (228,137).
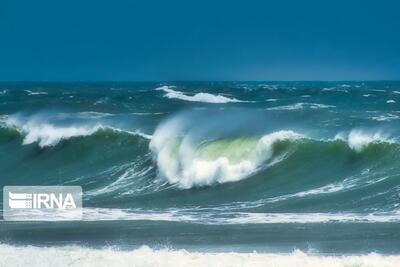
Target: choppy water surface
(210,167)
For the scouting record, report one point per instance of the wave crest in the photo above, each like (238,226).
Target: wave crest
(199,97)
(359,140)
(50,134)
(213,162)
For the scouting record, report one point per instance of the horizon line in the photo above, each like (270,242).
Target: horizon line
(178,81)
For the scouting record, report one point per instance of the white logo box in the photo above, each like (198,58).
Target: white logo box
(42,203)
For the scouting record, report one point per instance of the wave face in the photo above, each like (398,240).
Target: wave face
(319,154)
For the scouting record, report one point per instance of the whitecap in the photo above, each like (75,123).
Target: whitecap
(358,140)
(35,92)
(198,97)
(166,257)
(301,106)
(47,134)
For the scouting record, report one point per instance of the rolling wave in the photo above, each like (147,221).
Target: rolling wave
(214,162)
(46,134)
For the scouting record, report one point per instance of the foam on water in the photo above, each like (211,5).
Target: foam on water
(219,216)
(198,97)
(146,256)
(29,92)
(301,106)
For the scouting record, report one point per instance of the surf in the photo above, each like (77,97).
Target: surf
(147,256)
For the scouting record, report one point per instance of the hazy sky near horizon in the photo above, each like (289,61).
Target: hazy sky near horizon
(72,40)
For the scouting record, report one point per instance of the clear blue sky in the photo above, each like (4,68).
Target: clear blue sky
(72,40)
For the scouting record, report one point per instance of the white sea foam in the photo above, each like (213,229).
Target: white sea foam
(199,97)
(188,165)
(218,216)
(48,134)
(386,117)
(147,113)
(334,89)
(91,115)
(327,89)
(148,257)
(301,106)
(390,101)
(359,140)
(262,218)
(29,92)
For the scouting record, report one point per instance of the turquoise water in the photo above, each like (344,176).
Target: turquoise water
(268,166)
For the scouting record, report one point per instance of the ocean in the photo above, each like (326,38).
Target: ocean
(206,173)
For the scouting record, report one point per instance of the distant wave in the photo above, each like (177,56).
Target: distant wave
(359,140)
(146,256)
(301,106)
(386,117)
(334,89)
(47,134)
(29,92)
(199,97)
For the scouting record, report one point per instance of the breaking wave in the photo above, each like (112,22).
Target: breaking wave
(189,157)
(198,97)
(45,133)
(359,140)
(146,256)
(214,161)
